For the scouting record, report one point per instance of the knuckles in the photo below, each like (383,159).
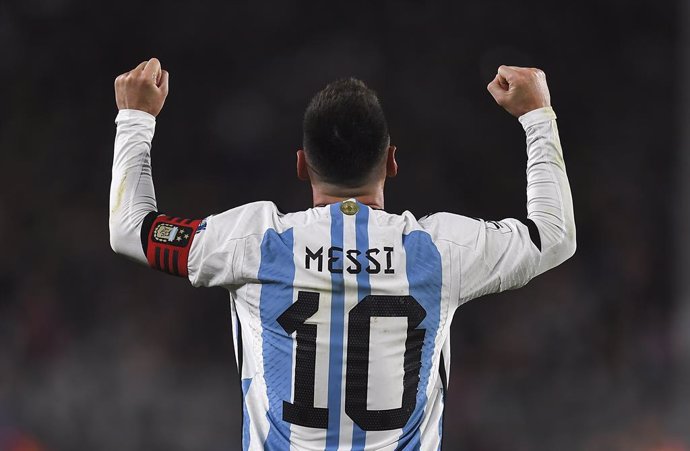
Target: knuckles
(530,77)
(119,79)
(537,73)
(129,81)
(530,72)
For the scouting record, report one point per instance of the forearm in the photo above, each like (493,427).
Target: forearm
(132,195)
(549,201)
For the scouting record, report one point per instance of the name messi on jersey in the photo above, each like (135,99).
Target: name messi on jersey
(338,259)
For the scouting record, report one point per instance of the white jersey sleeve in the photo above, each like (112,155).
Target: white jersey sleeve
(491,256)
(132,196)
(549,201)
(217,254)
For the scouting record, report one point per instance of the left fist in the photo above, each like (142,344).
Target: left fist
(143,88)
(520,89)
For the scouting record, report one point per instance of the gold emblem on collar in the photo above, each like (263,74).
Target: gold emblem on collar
(349,207)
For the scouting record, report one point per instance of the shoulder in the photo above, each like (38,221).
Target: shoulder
(256,218)
(458,229)
(239,222)
(253,210)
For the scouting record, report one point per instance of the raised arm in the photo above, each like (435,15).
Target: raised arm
(523,92)
(209,252)
(140,95)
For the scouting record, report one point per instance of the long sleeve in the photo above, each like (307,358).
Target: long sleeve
(132,195)
(549,201)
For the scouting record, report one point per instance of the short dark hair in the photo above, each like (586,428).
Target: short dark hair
(345,132)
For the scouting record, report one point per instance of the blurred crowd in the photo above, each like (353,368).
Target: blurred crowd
(97,353)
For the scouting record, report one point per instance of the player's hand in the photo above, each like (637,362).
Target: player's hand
(520,89)
(143,88)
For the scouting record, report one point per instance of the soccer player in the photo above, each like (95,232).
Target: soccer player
(341,313)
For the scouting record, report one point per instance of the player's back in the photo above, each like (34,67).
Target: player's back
(341,313)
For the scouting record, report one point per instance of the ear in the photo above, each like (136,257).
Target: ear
(391,164)
(302,171)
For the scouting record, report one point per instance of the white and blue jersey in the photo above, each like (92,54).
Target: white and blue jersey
(342,313)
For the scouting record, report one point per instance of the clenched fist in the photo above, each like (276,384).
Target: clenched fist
(143,88)
(520,89)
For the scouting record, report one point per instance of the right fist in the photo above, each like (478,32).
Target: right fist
(143,88)
(520,89)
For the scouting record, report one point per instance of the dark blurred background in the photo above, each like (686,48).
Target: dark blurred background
(99,354)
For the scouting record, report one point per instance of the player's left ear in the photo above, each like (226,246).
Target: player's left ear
(302,171)
(391,164)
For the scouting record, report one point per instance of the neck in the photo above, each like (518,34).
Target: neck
(325,194)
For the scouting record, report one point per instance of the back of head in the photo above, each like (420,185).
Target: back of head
(345,133)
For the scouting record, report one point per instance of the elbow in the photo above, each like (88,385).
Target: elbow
(568,244)
(559,243)
(562,246)
(570,237)
(558,239)
(123,240)
(116,240)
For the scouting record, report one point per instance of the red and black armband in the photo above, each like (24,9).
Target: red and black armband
(166,241)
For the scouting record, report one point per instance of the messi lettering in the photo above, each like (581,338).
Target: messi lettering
(338,260)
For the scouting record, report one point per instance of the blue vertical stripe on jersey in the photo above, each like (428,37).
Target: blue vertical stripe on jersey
(363,289)
(276,275)
(246,383)
(424,274)
(335,355)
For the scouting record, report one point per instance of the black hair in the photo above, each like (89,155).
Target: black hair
(345,132)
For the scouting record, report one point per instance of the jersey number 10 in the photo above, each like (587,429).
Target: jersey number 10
(303,412)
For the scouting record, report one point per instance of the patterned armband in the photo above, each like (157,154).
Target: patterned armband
(166,241)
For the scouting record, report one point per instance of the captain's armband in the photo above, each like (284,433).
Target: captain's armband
(166,241)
